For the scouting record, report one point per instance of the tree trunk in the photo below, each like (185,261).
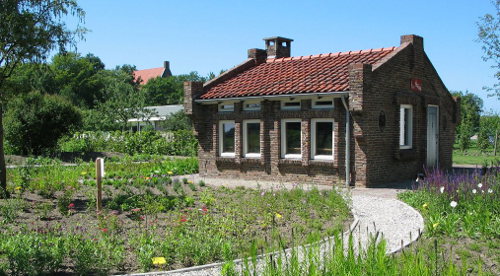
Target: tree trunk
(3,170)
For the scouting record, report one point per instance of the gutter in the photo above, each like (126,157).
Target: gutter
(347,144)
(301,95)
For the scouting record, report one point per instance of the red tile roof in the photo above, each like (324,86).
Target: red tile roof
(148,74)
(303,74)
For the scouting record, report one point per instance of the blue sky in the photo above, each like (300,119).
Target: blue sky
(207,36)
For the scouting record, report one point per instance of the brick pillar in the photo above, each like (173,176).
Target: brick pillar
(359,82)
(274,125)
(306,140)
(266,126)
(192,90)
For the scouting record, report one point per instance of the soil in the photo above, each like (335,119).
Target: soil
(42,215)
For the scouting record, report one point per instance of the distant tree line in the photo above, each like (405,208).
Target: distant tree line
(76,93)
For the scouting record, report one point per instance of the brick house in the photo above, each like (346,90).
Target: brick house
(363,118)
(143,76)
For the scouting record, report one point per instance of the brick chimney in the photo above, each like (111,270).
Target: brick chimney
(167,72)
(417,41)
(258,54)
(278,47)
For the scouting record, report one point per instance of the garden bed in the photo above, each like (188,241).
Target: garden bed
(461,213)
(152,219)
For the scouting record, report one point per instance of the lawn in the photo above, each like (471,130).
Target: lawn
(474,157)
(153,219)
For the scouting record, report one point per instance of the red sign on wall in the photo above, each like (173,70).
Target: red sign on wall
(416,85)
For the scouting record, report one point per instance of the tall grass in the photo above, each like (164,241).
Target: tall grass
(341,257)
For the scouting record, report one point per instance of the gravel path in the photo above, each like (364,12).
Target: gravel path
(374,210)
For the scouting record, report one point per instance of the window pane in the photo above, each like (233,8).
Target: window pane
(406,125)
(292,138)
(228,137)
(324,138)
(253,138)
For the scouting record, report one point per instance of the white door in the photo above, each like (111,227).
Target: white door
(432,136)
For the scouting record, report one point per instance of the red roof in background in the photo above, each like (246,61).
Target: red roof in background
(148,74)
(304,74)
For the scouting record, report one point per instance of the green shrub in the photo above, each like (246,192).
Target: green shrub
(34,123)
(32,254)
(181,142)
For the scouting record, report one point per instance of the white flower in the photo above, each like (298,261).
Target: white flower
(474,191)
(480,185)
(441,189)
(490,191)
(453,204)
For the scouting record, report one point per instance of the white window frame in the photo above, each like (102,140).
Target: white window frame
(313,139)
(245,108)
(285,101)
(226,107)
(221,138)
(283,139)
(315,106)
(402,135)
(246,154)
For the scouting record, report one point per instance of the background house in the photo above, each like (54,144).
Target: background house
(143,76)
(155,122)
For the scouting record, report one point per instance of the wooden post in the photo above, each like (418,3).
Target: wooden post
(98,177)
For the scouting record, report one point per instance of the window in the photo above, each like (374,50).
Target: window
(322,103)
(226,107)
(251,106)
(291,139)
(290,104)
(405,126)
(251,138)
(322,139)
(226,138)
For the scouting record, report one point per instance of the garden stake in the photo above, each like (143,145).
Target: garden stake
(98,176)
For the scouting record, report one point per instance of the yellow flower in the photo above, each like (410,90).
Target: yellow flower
(278,216)
(170,172)
(425,206)
(159,260)
(18,188)
(435,225)
(147,178)
(83,173)
(190,182)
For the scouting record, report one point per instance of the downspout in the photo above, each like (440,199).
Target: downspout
(347,144)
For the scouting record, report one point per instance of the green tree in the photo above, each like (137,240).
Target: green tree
(177,121)
(77,78)
(29,31)
(123,101)
(34,122)
(162,91)
(470,113)
(30,77)
(489,132)
(489,37)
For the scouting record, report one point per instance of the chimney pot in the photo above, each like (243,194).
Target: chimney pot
(278,47)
